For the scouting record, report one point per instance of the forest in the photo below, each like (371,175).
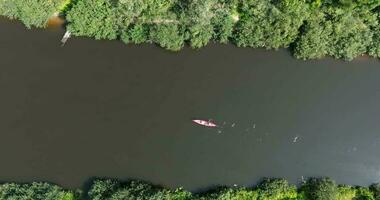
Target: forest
(311,29)
(268,189)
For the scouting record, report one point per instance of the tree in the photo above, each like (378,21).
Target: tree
(199,28)
(128,11)
(345,192)
(351,35)
(103,189)
(343,29)
(375,188)
(363,193)
(314,41)
(231,194)
(93,18)
(269,25)
(133,190)
(320,189)
(168,36)
(224,20)
(138,33)
(35,191)
(30,12)
(374,47)
(276,189)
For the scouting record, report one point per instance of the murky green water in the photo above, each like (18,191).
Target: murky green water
(100,108)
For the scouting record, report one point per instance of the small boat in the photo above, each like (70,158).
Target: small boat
(204,123)
(65,37)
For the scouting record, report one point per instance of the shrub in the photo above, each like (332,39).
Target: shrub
(34,191)
(276,189)
(30,12)
(320,189)
(375,188)
(343,29)
(231,194)
(93,18)
(133,190)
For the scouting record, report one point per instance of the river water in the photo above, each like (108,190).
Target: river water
(105,109)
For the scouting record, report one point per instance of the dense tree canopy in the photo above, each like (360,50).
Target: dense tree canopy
(343,29)
(94,18)
(270,24)
(168,36)
(315,40)
(31,12)
(269,189)
(134,190)
(224,20)
(321,189)
(341,33)
(35,191)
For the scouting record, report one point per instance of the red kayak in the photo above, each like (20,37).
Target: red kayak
(204,123)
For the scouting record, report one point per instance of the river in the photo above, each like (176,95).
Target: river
(105,109)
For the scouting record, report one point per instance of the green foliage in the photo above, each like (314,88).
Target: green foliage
(374,47)
(314,42)
(346,193)
(231,194)
(93,18)
(134,190)
(269,189)
(129,10)
(270,24)
(341,33)
(320,189)
(223,27)
(167,36)
(199,14)
(102,189)
(276,189)
(34,191)
(139,33)
(375,188)
(363,194)
(200,35)
(343,29)
(30,12)
(351,35)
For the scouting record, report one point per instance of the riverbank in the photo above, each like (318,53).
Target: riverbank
(268,189)
(312,30)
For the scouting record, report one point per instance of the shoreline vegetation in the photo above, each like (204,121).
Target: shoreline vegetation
(268,189)
(311,29)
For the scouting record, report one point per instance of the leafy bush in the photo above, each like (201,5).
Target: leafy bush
(231,194)
(134,190)
(138,33)
(167,36)
(351,36)
(93,18)
(320,189)
(30,12)
(34,191)
(363,194)
(276,189)
(269,24)
(343,29)
(314,42)
(346,192)
(268,189)
(375,188)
